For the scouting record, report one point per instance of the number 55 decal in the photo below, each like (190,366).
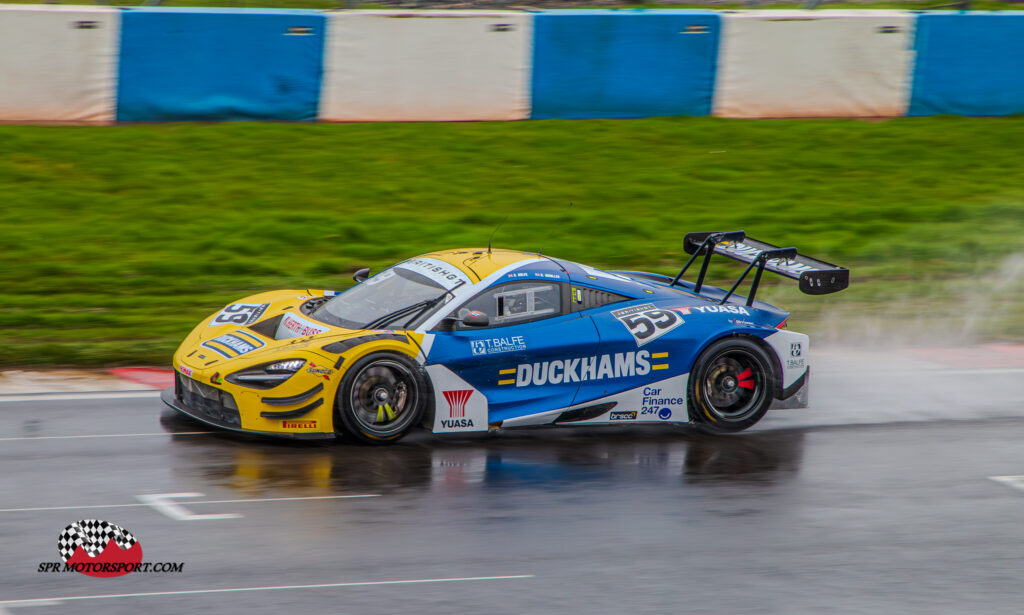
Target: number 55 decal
(646,322)
(239,314)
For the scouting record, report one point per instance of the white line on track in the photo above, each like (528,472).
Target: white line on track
(312,497)
(77,396)
(34,601)
(112,435)
(941,372)
(1016,481)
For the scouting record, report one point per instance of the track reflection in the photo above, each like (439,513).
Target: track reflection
(539,459)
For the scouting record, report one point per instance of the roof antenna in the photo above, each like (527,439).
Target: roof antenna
(493,232)
(565,215)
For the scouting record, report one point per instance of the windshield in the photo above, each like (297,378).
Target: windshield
(384,293)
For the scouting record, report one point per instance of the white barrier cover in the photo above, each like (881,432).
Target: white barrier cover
(823,63)
(426,66)
(58,63)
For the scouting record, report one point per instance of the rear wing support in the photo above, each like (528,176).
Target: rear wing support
(759,262)
(706,248)
(816,277)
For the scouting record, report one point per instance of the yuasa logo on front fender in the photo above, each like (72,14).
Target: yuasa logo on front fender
(457,404)
(456,423)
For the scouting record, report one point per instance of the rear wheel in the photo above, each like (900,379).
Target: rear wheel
(381,398)
(731,385)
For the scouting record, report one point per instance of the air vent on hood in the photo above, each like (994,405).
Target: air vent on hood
(267,327)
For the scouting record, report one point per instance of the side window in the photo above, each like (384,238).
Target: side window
(583,298)
(517,302)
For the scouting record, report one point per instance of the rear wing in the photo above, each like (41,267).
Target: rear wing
(815,277)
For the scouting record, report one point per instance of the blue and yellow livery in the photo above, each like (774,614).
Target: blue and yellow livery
(477,339)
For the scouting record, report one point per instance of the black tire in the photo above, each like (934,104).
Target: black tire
(731,386)
(381,398)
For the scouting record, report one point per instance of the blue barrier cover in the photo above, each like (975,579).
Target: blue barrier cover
(969,64)
(210,64)
(624,63)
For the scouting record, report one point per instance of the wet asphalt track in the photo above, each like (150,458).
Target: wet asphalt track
(877,500)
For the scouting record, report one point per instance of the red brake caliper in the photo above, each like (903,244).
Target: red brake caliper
(746,380)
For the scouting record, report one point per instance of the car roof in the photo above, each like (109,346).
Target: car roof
(479,263)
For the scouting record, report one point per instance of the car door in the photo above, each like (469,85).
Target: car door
(521,360)
(646,347)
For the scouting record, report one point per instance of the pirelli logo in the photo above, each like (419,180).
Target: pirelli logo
(583,369)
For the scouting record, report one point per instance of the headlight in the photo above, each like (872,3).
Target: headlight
(268,375)
(289,367)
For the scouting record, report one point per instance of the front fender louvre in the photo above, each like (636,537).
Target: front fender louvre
(294,399)
(293,414)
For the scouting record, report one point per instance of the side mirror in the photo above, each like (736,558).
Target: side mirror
(361,275)
(476,319)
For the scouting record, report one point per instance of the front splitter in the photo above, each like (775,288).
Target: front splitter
(168,397)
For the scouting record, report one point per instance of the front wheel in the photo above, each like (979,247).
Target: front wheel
(381,398)
(731,385)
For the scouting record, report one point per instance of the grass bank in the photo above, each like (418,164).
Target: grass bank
(116,240)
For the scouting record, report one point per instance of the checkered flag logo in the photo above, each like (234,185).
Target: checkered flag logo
(93,535)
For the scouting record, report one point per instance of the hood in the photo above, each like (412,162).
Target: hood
(258,326)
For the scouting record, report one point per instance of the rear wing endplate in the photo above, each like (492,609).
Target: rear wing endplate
(815,277)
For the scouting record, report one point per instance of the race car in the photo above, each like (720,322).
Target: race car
(480,339)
